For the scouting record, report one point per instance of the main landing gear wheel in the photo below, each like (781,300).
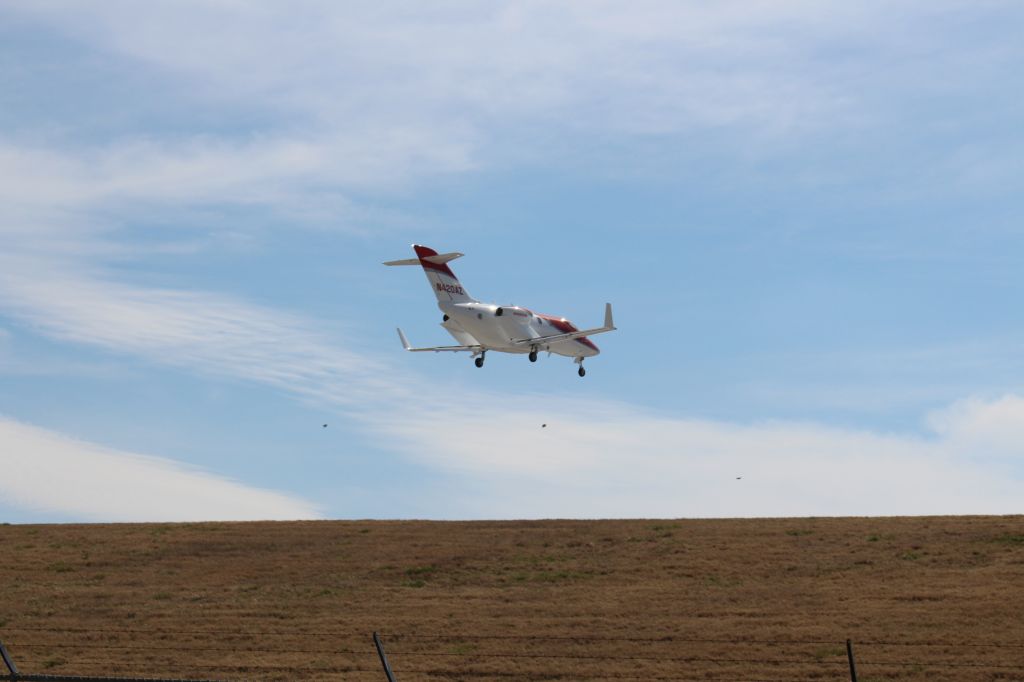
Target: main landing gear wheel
(533,356)
(582,372)
(479,362)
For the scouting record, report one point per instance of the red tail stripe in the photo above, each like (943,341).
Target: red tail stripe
(424,251)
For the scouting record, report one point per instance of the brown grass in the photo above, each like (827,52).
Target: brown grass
(552,600)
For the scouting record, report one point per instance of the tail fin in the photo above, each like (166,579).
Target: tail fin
(442,280)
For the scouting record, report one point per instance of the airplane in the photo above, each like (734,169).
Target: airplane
(481,327)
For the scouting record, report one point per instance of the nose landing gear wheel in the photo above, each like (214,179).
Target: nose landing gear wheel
(582,372)
(533,356)
(479,362)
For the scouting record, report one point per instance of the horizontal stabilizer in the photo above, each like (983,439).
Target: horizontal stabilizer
(439,259)
(443,258)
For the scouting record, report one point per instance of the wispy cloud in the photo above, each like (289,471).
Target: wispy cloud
(354,98)
(53,474)
(278,171)
(654,67)
(204,332)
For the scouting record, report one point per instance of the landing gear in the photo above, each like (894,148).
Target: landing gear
(533,355)
(479,362)
(582,372)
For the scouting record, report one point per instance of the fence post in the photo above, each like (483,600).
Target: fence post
(13,669)
(853,666)
(383,658)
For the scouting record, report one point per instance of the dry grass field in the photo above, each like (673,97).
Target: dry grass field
(935,598)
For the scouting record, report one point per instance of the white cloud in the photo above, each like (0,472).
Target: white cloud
(54,474)
(986,429)
(604,459)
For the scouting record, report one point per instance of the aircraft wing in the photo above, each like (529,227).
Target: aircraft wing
(439,349)
(609,326)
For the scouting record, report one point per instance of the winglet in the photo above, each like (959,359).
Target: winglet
(405,341)
(608,316)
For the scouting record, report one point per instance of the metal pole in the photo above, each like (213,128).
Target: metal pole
(383,658)
(853,666)
(8,662)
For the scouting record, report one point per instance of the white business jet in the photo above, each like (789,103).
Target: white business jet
(480,327)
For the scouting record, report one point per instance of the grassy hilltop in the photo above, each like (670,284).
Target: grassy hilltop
(764,599)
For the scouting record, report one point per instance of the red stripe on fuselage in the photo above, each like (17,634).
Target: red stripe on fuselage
(567,327)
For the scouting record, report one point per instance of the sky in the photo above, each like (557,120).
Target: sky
(807,216)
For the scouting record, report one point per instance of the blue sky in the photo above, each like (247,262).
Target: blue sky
(805,214)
